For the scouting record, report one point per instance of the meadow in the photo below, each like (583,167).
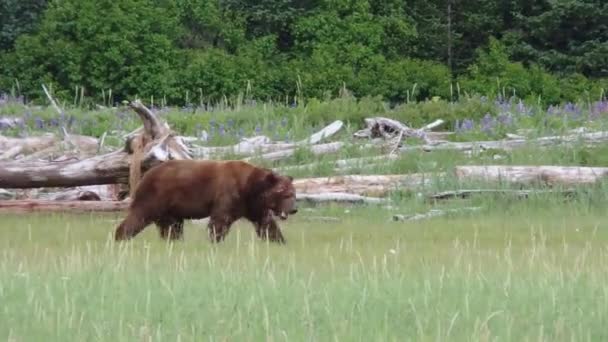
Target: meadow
(517,270)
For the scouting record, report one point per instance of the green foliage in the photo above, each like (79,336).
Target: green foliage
(495,74)
(129,52)
(18,17)
(565,37)
(204,51)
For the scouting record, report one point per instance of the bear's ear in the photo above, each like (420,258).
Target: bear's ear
(290,178)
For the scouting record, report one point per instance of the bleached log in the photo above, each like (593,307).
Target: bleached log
(370,185)
(31,144)
(548,175)
(342,164)
(338,197)
(589,139)
(325,133)
(432,213)
(7,195)
(466,193)
(112,168)
(105,169)
(314,149)
(388,128)
(29,206)
(263,144)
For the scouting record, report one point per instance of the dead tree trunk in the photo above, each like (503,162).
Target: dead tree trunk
(547,175)
(149,146)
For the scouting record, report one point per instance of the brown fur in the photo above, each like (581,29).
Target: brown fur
(224,191)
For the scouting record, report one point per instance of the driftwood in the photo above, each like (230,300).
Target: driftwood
(517,193)
(263,144)
(373,185)
(314,149)
(338,197)
(29,206)
(156,144)
(589,139)
(381,127)
(432,213)
(95,205)
(343,164)
(547,175)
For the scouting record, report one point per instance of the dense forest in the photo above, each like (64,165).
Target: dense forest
(184,51)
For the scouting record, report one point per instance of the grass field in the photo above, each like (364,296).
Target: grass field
(516,271)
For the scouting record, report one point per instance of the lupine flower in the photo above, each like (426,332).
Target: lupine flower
(284,122)
(39,123)
(465,125)
(487,123)
(221,130)
(258,129)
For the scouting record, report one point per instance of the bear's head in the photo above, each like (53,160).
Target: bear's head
(279,195)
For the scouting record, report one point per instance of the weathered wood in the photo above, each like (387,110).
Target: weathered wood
(369,185)
(105,169)
(338,197)
(29,206)
(156,143)
(314,149)
(381,127)
(262,144)
(548,175)
(466,193)
(342,164)
(432,213)
(589,139)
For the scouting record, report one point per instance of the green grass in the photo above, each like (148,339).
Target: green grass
(515,271)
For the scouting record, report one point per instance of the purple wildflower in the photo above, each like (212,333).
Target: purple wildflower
(284,122)
(487,123)
(221,130)
(39,122)
(258,129)
(465,125)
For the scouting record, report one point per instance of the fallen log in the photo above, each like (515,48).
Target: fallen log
(546,175)
(339,197)
(372,185)
(341,164)
(432,213)
(466,193)
(155,144)
(29,206)
(314,149)
(589,139)
(381,127)
(263,144)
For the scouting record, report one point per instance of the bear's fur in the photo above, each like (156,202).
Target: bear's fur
(224,191)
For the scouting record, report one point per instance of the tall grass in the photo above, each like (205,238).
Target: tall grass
(515,271)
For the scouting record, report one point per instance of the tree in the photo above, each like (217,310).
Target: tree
(101,45)
(569,36)
(18,17)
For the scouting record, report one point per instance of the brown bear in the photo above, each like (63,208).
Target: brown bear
(224,191)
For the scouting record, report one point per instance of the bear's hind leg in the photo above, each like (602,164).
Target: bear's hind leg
(132,225)
(172,229)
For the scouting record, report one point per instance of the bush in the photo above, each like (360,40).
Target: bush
(130,51)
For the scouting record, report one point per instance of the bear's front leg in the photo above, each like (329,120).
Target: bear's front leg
(268,229)
(218,227)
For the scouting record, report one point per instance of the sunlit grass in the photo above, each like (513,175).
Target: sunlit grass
(515,271)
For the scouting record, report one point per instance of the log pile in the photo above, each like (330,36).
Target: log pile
(77,169)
